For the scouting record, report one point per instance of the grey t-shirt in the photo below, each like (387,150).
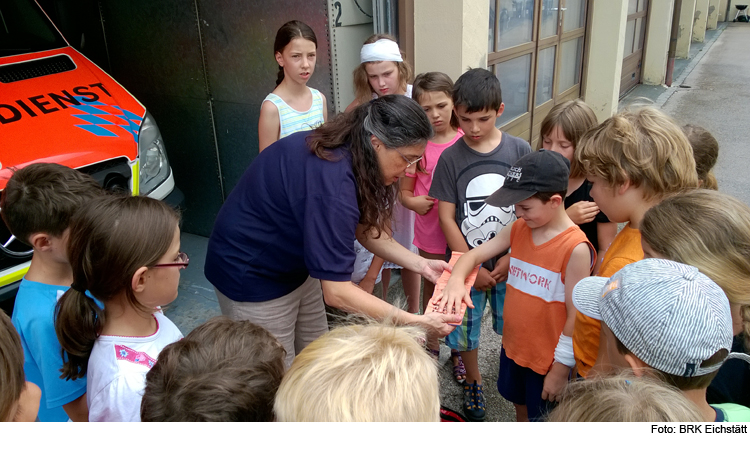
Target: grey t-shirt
(466,178)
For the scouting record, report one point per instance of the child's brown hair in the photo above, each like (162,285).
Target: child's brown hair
(574,118)
(223,371)
(706,152)
(42,197)
(111,237)
(434,82)
(643,146)
(12,379)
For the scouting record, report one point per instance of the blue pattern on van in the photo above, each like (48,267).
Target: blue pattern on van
(97,118)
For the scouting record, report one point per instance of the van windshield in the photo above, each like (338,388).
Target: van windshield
(24,29)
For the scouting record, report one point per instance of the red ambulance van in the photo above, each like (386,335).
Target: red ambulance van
(58,106)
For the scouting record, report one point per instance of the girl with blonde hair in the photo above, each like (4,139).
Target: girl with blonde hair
(711,231)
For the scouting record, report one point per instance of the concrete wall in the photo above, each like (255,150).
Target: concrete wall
(657,42)
(443,43)
(722,10)
(700,20)
(713,14)
(606,42)
(685,31)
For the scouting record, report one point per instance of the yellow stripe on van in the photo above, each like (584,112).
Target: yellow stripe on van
(13,276)
(135,169)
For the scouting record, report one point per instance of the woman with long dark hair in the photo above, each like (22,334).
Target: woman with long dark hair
(282,242)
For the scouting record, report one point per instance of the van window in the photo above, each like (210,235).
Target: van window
(25,29)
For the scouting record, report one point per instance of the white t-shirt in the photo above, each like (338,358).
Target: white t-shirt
(117,372)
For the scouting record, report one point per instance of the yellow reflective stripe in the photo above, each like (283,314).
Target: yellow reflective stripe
(135,169)
(14,276)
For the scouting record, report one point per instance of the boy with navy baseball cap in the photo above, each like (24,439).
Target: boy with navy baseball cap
(667,318)
(550,255)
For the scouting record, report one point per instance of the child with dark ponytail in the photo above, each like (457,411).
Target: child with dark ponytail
(292,106)
(124,252)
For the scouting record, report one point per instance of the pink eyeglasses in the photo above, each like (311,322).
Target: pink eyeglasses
(183,261)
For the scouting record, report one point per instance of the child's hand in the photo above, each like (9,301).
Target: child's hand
(582,212)
(484,280)
(500,272)
(452,296)
(555,381)
(422,204)
(367,284)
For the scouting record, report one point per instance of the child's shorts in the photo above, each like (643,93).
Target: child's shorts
(466,336)
(522,386)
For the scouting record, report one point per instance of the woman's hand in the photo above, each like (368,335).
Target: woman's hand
(582,212)
(433,268)
(438,325)
(421,204)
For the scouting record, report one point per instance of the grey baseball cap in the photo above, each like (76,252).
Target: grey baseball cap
(669,315)
(540,171)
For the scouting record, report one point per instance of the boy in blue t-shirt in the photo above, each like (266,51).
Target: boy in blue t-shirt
(466,174)
(37,205)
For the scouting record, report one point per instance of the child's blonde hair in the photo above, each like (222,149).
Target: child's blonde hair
(709,230)
(362,89)
(12,379)
(574,118)
(706,152)
(623,398)
(643,146)
(361,373)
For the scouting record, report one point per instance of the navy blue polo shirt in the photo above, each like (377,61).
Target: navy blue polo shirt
(291,215)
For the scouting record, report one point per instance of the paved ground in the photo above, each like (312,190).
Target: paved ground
(716,99)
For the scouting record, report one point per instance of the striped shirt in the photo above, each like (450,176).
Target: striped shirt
(291,120)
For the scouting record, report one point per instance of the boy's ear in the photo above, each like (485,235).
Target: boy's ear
(501,109)
(555,201)
(623,187)
(138,282)
(40,242)
(639,367)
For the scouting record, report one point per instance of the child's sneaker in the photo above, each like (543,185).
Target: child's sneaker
(474,402)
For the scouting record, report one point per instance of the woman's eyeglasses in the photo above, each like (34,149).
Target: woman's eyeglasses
(183,261)
(410,163)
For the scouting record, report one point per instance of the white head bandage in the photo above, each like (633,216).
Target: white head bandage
(382,50)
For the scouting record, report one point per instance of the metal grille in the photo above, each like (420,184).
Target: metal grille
(36,68)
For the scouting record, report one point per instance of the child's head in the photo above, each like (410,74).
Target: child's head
(434,91)
(478,90)
(563,128)
(223,371)
(642,148)
(382,70)
(19,399)
(361,373)
(120,248)
(42,197)
(706,152)
(708,230)
(623,398)
(662,315)
(295,51)
(536,184)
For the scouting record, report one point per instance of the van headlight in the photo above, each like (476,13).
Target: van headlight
(152,155)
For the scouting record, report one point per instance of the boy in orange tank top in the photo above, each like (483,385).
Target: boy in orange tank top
(550,254)
(634,160)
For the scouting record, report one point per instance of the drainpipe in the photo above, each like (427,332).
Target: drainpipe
(673,41)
